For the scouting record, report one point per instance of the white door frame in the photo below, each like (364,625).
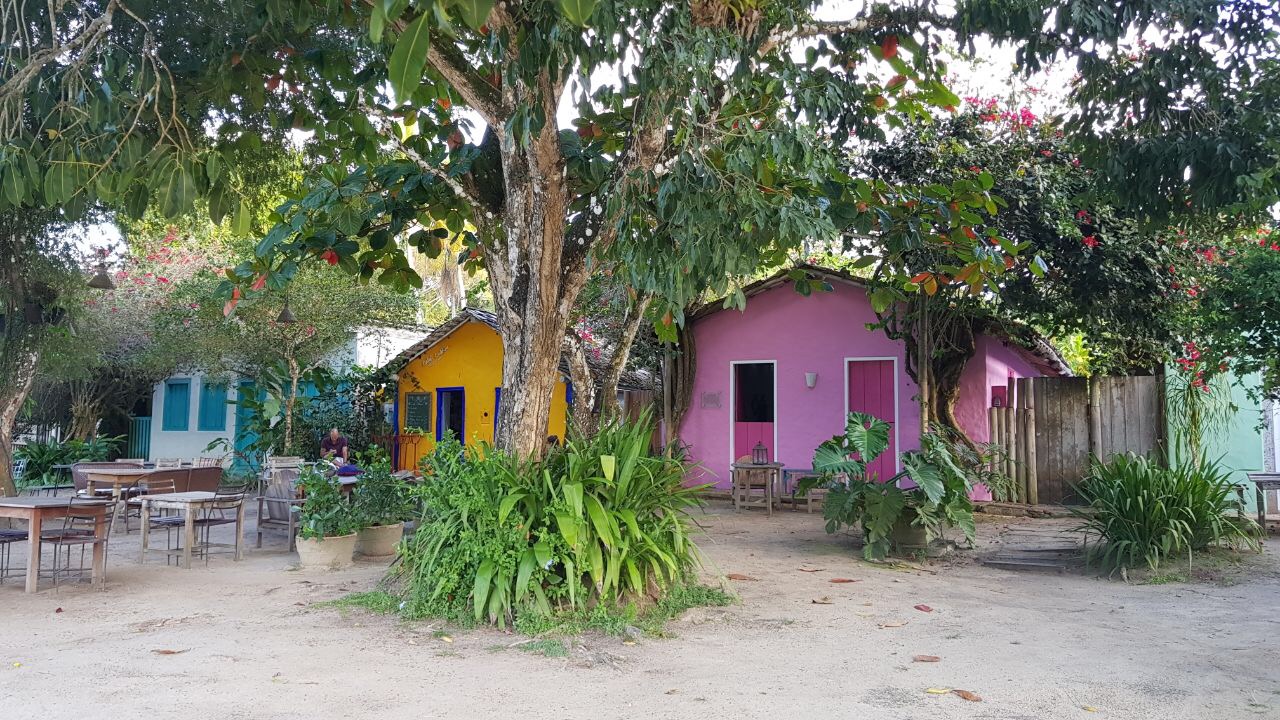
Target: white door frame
(897,444)
(733,397)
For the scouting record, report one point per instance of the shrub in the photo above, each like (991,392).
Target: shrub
(325,512)
(381,498)
(939,498)
(980,463)
(42,456)
(598,522)
(1143,514)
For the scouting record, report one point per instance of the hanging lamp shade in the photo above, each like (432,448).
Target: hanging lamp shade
(101,280)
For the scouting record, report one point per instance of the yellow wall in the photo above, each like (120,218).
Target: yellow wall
(471,358)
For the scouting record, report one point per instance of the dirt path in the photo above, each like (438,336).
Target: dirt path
(1032,646)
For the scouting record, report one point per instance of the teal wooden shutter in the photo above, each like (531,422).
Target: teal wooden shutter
(213,407)
(177,405)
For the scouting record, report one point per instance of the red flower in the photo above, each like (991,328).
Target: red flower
(974,168)
(330,256)
(1047,153)
(1090,241)
(163,280)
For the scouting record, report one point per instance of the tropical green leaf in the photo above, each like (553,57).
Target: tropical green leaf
(578,12)
(480,591)
(474,12)
(409,58)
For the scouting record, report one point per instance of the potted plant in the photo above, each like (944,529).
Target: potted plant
(326,523)
(905,512)
(382,504)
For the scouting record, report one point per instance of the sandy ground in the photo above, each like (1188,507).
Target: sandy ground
(1031,645)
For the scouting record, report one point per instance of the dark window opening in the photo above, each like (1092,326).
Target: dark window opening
(754,387)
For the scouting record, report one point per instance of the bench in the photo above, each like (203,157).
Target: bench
(1262,482)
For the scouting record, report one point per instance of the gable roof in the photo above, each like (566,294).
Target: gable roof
(630,380)
(1034,346)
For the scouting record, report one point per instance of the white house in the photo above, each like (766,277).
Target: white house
(189,411)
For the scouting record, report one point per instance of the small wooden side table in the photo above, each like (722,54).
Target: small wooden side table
(743,483)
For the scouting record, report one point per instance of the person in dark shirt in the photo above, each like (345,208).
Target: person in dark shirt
(334,446)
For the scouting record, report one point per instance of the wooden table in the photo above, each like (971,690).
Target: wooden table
(189,503)
(118,478)
(36,509)
(741,487)
(1262,482)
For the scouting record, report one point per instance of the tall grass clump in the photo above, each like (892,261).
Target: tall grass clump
(1139,513)
(599,522)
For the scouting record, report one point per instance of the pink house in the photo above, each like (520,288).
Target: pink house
(787,370)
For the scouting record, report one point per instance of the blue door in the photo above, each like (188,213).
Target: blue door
(451,413)
(245,437)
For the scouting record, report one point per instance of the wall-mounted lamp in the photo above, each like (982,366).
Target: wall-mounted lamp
(810,379)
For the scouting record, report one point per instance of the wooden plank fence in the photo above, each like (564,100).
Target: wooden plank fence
(1053,426)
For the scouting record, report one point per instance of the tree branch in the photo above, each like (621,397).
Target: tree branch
(475,90)
(454,184)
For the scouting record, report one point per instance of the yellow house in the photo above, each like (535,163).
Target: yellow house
(451,380)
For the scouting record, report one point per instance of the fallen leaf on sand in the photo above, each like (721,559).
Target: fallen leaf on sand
(739,576)
(926,658)
(924,608)
(672,691)
(842,580)
(169,652)
(810,569)
(892,624)
(939,691)
(821,601)
(302,604)
(17,664)
(1088,708)
(446,638)
(58,610)
(971,697)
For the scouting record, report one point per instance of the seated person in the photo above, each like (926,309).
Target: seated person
(334,447)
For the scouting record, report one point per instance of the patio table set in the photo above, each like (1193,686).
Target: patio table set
(185,500)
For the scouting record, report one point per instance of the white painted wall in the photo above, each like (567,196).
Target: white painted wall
(190,443)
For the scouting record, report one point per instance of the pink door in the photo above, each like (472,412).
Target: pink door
(871,385)
(753,409)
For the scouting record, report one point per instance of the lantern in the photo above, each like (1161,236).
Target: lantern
(760,454)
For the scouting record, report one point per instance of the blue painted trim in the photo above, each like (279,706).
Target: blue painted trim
(395,427)
(497,406)
(213,396)
(568,393)
(183,423)
(462,431)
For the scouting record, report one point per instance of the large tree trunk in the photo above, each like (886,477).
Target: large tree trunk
(537,269)
(11,400)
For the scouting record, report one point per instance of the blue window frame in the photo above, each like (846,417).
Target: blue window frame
(497,406)
(451,412)
(177,405)
(213,407)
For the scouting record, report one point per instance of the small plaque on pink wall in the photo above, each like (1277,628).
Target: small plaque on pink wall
(710,400)
(999,396)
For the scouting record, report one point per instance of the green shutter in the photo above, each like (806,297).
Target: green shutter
(213,407)
(177,405)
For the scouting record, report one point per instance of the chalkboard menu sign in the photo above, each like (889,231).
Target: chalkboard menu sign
(417,411)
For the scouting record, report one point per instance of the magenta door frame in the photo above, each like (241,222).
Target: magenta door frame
(897,445)
(733,405)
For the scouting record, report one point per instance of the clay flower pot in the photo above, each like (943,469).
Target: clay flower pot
(379,540)
(329,552)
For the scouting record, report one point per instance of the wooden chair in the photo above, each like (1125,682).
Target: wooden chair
(167,463)
(208,462)
(157,482)
(131,461)
(79,530)
(225,510)
(791,477)
(277,503)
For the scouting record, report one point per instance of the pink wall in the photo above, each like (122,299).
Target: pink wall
(993,363)
(802,334)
